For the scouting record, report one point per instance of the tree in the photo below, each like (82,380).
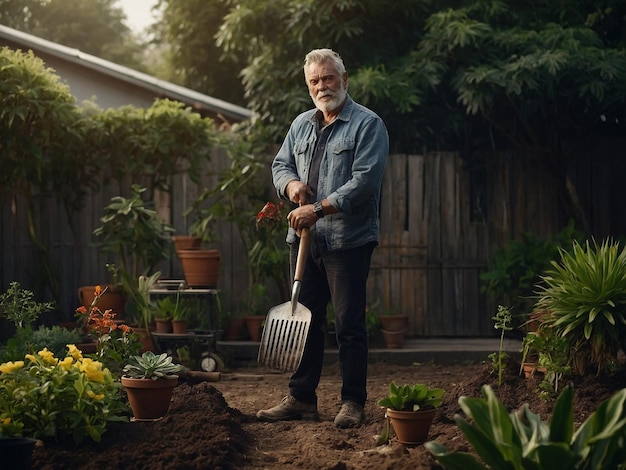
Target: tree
(188,29)
(93,26)
(456,75)
(273,36)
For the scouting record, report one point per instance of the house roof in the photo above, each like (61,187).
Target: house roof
(160,88)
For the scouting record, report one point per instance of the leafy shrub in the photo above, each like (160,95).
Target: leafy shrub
(516,268)
(520,440)
(19,306)
(585,294)
(44,397)
(55,339)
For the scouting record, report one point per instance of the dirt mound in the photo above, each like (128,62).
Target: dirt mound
(199,431)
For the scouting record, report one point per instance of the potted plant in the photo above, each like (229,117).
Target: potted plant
(112,342)
(237,189)
(531,345)
(546,353)
(177,311)
(186,242)
(149,381)
(411,409)
(145,307)
(258,304)
(199,259)
(137,238)
(112,296)
(393,327)
(163,315)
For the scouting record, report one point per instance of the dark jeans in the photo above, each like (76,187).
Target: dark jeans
(341,277)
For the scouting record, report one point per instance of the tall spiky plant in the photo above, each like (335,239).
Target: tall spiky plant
(586,295)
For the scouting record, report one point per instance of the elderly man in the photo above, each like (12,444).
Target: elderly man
(331,166)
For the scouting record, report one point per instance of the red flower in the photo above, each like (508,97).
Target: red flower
(271,216)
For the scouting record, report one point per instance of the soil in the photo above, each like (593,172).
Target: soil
(213,425)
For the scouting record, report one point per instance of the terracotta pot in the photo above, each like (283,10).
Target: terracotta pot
(393,328)
(536,318)
(530,368)
(201,267)
(394,322)
(411,427)
(254,324)
(87,348)
(149,399)
(145,338)
(162,325)
(179,327)
(16,453)
(185,242)
(234,331)
(112,299)
(393,339)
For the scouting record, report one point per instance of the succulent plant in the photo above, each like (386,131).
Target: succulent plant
(151,366)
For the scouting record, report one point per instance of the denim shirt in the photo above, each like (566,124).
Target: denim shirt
(350,177)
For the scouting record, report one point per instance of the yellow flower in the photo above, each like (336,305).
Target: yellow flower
(6,421)
(66,363)
(10,367)
(47,356)
(74,352)
(92,369)
(31,358)
(97,397)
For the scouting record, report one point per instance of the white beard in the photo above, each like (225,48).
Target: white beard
(337,98)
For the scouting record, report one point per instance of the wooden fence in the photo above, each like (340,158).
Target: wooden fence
(440,221)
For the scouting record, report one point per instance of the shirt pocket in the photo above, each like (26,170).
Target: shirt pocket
(301,156)
(341,157)
(300,146)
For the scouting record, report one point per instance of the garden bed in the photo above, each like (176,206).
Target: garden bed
(213,425)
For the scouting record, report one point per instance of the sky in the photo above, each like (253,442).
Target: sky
(138,13)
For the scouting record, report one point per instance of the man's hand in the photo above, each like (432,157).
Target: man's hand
(302,217)
(298,192)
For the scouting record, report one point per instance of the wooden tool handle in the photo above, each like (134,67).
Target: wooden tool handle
(200,376)
(303,252)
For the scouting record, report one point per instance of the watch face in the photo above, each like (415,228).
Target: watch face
(318,209)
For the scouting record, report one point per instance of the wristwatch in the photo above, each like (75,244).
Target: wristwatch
(318,209)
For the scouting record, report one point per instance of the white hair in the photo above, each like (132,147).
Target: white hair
(318,56)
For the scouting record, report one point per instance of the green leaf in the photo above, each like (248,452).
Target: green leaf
(484,445)
(453,460)
(562,423)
